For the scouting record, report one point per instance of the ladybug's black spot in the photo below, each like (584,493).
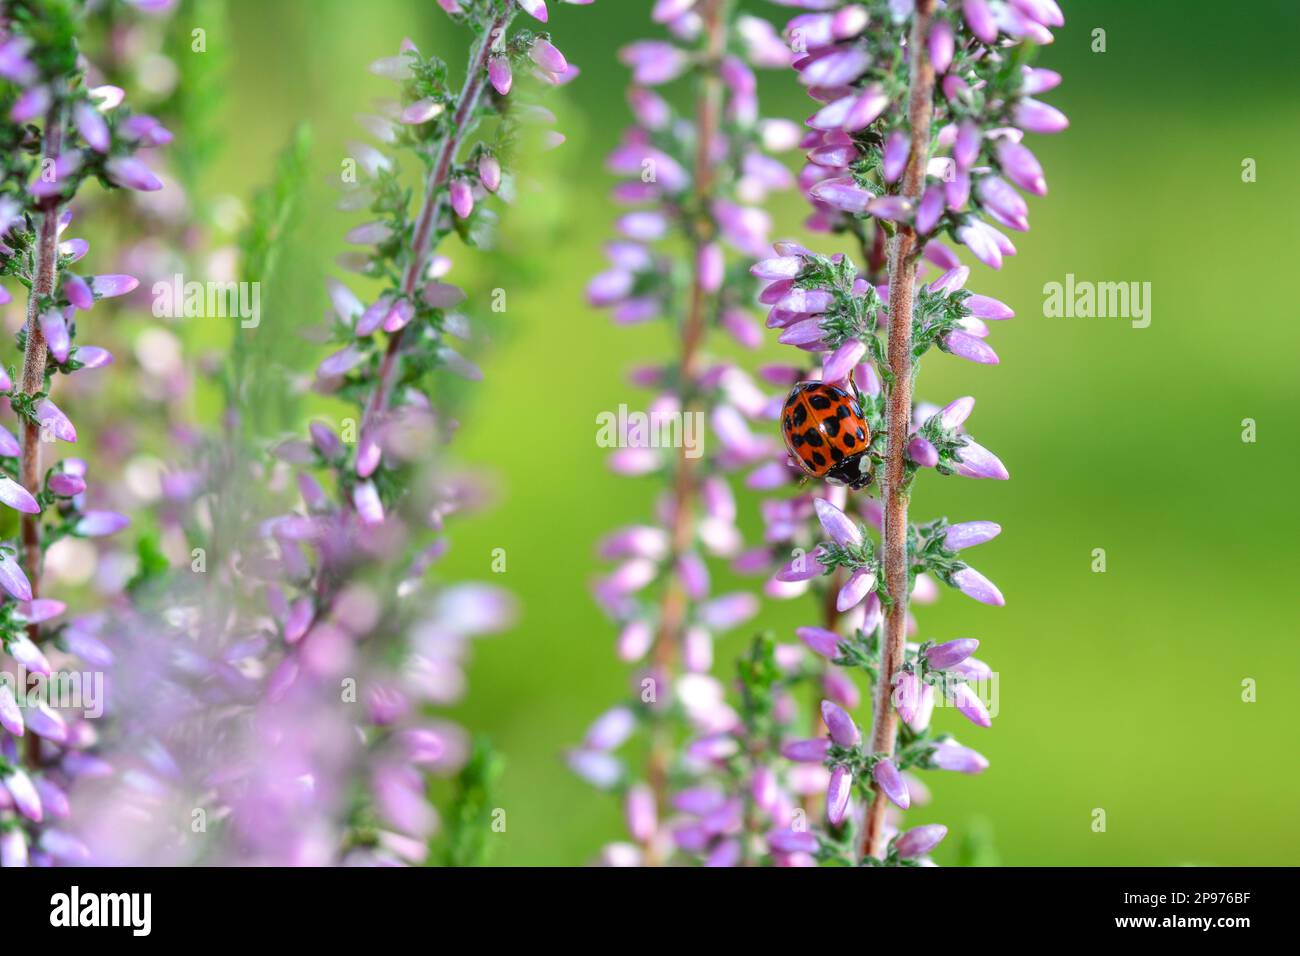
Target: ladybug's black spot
(836,454)
(819,460)
(862,436)
(842,412)
(785,423)
(849,440)
(813,437)
(819,401)
(796,439)
(831,426)
(800,416)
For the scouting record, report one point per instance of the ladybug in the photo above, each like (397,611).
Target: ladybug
(826,434)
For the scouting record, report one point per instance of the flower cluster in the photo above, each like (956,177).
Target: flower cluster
(875,173)
(694,180)
(292,718)
(58,133)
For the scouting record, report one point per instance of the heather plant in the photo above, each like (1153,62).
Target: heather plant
(321,646)
(918,134)
(695,181)
(60,132)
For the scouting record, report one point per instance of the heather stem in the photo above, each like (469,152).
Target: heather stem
(708,118)
(435,199)
(34,355)
(903,253)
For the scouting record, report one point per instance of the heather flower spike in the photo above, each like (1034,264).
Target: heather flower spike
(48,102)
(904,154)
(694,176)
(341,537)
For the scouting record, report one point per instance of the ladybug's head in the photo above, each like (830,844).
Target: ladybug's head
(855,472)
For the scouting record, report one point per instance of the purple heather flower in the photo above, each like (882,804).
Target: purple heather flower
(892,208)
(110,286)
(843,531)
(860,583)
(975,585)
(907,695)
(978,462)
(984,307)
(919,841)
(980,20)
(820,641)
(98,524)
(610,730)
(14,581)
(1003,203)
(14,64)
(967,534)
(982,240)
(30,104)
(534,8)
(1046,12)
(923,452)
(808,751)
(728,611)
(930,209)
(838,68)
(1040,81)
(11,717)
(640,813)
(462,198)
(17,497)
(500,75)
(970,347)
(950,653)
(792,841)
(129,173)
(838,792)
(654,62)
(1021,167)
(90,124)
(66,484)
(891,783)
(711,267)
(77,291)
(422,111)
(940,43)
(897,147)
(47,723)
(952,756)
(803,567)
(55,328)
(13,848)
(843,195)
(24,794)
(843,730)
(1038,117)
(489,172)
(780,267)
(969,705)
(545,55)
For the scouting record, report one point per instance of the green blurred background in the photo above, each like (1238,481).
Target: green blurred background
(1120,691)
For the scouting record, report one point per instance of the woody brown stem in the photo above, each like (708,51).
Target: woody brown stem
(708,119)
(34,355)
(903,253)
(435,202)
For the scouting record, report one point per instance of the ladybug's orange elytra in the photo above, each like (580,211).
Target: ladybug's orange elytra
(826,435)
